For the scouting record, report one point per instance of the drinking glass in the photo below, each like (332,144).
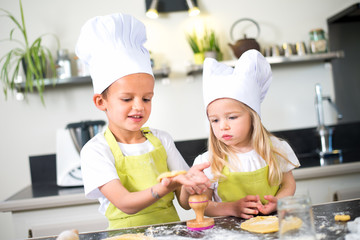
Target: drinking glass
(296,220)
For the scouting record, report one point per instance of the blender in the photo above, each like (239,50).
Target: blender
(69,142)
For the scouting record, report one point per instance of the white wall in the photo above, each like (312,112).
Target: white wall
(28,128)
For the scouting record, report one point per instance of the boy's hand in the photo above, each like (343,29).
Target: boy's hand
(269,207)
(194,181)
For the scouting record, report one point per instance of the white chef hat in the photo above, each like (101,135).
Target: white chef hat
(247,82)
(112,47)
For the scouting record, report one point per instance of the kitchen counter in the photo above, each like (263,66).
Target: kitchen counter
(42,196)
(229,227)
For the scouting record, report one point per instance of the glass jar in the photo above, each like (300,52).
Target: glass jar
(318,42)
(296,219)
(63,64)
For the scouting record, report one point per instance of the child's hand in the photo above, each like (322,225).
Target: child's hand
(194,181)
(246,207)
(269,207)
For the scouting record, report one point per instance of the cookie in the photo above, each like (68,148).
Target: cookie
(170,174)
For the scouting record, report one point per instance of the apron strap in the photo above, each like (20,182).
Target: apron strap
(114,147)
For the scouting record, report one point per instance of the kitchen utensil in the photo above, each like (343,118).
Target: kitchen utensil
(69,142)
(198,203)
(296,220)
(242,45)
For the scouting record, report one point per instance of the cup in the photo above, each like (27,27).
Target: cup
(288,49)
(275,51)
(301,48)
(296,220)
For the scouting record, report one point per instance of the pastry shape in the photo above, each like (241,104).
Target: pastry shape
(69,235)
(342,217)
(138,236)
(170,174)
(261,224)
(290,223)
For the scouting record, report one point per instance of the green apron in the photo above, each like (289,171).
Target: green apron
(137,173)
(238,185)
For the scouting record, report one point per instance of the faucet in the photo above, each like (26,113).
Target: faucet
(326,152)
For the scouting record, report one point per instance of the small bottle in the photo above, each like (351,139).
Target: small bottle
(82,69)
(63,64)
(318,43)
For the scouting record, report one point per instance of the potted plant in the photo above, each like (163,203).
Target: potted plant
(33,56)
(210,45)
(195,44)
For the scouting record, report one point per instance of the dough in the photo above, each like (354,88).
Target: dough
(342,218)
(138,236)
(290,223)
(261,224)
(269,224)
(69,235)
(169,174)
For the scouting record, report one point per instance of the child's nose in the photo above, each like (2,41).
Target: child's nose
(138,105)
(224,125)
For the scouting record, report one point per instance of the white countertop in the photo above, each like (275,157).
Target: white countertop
(64,200)
(327,171)
(45,202)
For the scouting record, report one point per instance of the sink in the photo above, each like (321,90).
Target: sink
(306,144)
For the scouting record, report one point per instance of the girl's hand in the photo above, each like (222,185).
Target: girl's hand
(269,207)
(246,207)
(194,181)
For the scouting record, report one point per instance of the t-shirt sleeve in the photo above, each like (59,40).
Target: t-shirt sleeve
(285,149)
(97,167)
(174,159)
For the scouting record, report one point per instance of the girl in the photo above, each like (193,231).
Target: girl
(121,165)
(250,168)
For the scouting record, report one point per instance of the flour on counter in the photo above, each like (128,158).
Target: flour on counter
(354,229)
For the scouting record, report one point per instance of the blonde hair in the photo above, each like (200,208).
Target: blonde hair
(261,142)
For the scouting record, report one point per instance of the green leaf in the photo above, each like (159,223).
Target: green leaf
(35,57)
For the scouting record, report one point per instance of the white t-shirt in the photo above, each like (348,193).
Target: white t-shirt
(98,163)
(251,161)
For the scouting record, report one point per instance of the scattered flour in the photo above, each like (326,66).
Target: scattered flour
(354,229)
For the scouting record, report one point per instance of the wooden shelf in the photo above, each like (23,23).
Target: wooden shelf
(158,73)
(281,60)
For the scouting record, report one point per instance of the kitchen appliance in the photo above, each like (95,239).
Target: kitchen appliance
(242,45)
(69,142)
(327,153)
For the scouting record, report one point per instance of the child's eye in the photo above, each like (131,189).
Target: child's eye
(147,99)
(233,117)
(126,99)
(214,120)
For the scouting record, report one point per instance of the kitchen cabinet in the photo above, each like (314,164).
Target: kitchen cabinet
(328,189)
(280,60)
(52,221)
